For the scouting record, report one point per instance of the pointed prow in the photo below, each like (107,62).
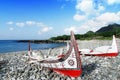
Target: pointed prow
(114,45)
(69,64)
(114,41)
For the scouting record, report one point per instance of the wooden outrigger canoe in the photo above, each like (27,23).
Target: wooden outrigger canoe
(106,51)
(69,64)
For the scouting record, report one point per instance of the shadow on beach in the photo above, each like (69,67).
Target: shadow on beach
(87,69)
(3,62)
(2,66)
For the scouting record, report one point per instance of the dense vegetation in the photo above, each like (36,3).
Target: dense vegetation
(103,33)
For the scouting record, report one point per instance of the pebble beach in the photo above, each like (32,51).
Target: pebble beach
(17,67)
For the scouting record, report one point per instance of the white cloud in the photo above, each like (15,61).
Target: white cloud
(20,24)
(27,23)
(100,8)
(11,29)
(85,6)
(10,22)
(95,23)
(45,29)
(89,25)
(109,17)
(118,14)
(72,28)
(77,29)
(88,8)
(94,15)
(102,20)
(40,24)
(78,17)
(30,23)
(111,2)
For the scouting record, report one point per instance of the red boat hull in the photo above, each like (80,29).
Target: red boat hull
(71,73)
(103,54)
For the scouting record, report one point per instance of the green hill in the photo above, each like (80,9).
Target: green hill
(111,27)
(103,33)
(108,31)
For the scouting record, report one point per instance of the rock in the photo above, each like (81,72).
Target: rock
(94,68)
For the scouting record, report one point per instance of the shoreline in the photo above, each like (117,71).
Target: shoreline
(41,41)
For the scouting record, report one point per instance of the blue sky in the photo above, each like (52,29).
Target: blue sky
(42,19)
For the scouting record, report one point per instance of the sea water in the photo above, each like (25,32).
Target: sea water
(13,46)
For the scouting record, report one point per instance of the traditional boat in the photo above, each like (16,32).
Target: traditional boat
(34,56)
(102,51)
(69,64)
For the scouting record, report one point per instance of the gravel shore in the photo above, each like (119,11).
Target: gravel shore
(17,67)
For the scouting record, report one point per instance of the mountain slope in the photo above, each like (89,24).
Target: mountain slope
(108,31)
(102,33)
(109,28)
